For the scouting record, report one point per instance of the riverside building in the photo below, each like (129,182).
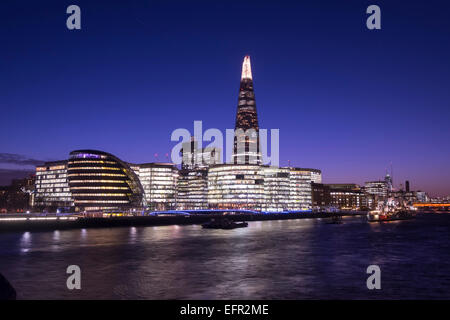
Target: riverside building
(52,187)
(159,183)
(100,181)
(377,188)
(300,191)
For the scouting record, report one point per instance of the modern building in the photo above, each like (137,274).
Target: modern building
(233,186)
(276,189)
(246,139)
(95,181)
(193,157)
(52,187)
(377,188)
(192,189)
(159,182)
(300,193)
(100,181)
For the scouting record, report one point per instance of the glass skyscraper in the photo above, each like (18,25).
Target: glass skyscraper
(246,139)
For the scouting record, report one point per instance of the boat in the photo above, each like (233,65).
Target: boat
(390,211)
(224,223)
(375,216)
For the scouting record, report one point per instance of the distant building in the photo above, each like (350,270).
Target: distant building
(52,190)
(345,186)
(194,157)
(320,195)
(348,196)
(377,188)
(17,197)
(389,182)
(349,199)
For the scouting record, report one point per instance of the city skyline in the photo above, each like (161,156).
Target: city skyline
(127,102)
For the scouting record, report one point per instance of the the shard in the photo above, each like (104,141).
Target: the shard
(246,140)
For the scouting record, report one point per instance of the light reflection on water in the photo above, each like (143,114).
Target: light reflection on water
(284,259)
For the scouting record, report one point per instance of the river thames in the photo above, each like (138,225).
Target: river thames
(283,259)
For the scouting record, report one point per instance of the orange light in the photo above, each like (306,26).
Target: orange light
(431,204)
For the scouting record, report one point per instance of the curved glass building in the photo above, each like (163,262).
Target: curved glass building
(100,181)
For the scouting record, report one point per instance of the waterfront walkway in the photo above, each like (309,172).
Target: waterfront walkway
(45,223)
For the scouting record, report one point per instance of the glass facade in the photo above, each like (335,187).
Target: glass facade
(300,180)
(100,181)
(377,188)
(159,182)
(236,187)
(246,140)
(276,189)
(52,186)
(192,190)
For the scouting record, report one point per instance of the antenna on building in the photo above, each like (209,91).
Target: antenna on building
(156,157)
(167,157)
(289,163)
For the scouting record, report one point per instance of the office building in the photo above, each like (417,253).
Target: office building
(192,189)
(52,190)
(377,188)
(276,189)
(159,182)
(233,186)
(246,140)
(100,181)
(300,193)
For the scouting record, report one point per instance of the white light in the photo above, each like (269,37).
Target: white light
(246,69)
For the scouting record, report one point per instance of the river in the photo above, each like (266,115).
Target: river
(283,259)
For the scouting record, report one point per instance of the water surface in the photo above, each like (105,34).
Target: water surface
(285,259)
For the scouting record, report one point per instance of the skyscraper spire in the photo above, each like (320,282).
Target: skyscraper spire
(246,69)
(246,128)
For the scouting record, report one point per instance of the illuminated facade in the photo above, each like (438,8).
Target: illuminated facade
(377,188)
(276,189)
(300,193)
(246,140)
(236,187)
(349,199)
(159,181)
(192,189)
(100,181)
(52,187)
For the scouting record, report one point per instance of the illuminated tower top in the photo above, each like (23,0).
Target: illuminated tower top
(246,69)
(246,117)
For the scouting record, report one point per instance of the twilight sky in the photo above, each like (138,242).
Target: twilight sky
(347,100)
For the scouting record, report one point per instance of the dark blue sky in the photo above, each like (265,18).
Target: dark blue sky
(346,100)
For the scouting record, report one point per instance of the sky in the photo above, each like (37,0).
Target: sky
(347,100)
